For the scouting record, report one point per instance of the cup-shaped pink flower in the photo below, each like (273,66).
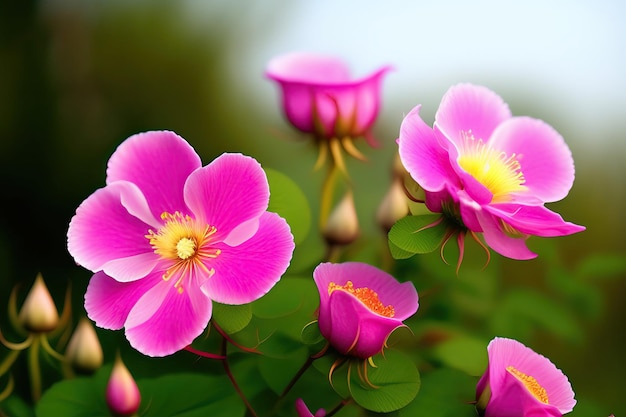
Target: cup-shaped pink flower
(494,170)
(303,410)
(319,96)
(360,305)
(166,236)
(519,382)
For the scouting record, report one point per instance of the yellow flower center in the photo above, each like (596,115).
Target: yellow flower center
(531,384)
(501,174)
(186,244)
(367,296)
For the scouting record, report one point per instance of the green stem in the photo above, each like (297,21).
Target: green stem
(328,188)
(34,368)
(8,361)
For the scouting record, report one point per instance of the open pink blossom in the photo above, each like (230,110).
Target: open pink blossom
(167,235)
(488,170)
(360,305)
(303,410)
(521,383)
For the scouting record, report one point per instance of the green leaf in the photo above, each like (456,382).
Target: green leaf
(444,393)
(311,333)
(465,353)
(288,295)
(14,406)
(288,200)
(232,318)
(398,253)
(418,234)
(393,383)
(602,266)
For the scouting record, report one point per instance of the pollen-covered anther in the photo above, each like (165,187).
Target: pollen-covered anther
(531,384)
(367,296)
(498,172)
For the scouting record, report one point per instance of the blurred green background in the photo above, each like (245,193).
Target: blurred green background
(77,78)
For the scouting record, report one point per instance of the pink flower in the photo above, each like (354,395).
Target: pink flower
(521,383)
(303,410)
(360,305)
(320,97)
(166,235)
(488,170)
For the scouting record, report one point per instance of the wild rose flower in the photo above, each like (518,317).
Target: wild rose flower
(320,97)
(166,235)
(487,171)
(360,305)
(521,383)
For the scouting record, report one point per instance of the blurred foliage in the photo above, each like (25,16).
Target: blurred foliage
(76,80)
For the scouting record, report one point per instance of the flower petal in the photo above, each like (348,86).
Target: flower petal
(246,272)
(422,155)
(498,240)
(545,159)
(108,301)
(301,67)
(106,231)
(534,220)
(159,163)
(229,191)
(470,108)
(165,320)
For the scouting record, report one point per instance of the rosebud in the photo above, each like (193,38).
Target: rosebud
(393,207)
(122,394)
(38,313)
(342,226)
(84,352)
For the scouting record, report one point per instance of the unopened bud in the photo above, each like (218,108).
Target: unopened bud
(122,394)
(84,352)
(38,313)
(342,226)
(393,207)
(482,400)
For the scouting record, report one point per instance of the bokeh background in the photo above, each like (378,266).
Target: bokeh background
(78,77)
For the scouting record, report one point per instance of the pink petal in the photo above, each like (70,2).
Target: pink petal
(498,240)
(246,272)
(545,159)
(229,191)
(508,352)
(422,155)
(308,68)
(159,163)
(534,220)
(108,301)
(303,410)
(165,320)
(470,108)
(106,231)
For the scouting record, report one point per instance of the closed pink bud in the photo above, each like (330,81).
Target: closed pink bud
(122,394)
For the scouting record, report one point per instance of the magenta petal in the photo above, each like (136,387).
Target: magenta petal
(471,109)
(246,272)
(545,159)
(422,155)
(165,320)
(534,220)
(105,231)
(227,192)
(300,67)
(498,240)
(159,163)
(506,390)
(108,301)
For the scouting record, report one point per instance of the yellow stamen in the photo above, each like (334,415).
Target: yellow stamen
(367,296)
(531,384)
(186,244)
(501,174)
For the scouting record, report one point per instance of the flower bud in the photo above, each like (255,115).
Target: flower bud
(38,313)
(122,394)
(393,207)
(342,226)
(84,352)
